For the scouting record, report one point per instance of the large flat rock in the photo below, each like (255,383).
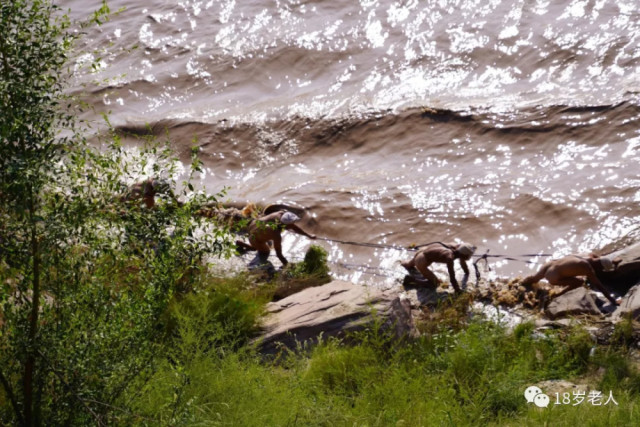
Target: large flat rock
(332,310)
(577,301)
(628,272)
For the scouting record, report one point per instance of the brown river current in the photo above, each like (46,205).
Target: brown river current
(510,124)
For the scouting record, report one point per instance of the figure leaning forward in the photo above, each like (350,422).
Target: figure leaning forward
(147,191)
(573,271)
(441,253)
(269,228)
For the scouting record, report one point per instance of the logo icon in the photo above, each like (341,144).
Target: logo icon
(541,400)
(535,395)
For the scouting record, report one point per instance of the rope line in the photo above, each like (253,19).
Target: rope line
(349,266)
(384,246)
(510,257)
(367,269)
(369,245)
(416,247)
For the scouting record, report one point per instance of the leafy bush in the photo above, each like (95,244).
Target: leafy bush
(85,277)
(315,262)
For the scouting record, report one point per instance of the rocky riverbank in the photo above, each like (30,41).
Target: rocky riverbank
(339,307)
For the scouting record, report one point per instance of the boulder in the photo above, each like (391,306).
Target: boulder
(630,305)
(577,301)
(628,272)
(332,310)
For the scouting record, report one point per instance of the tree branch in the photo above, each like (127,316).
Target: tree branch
(12,398)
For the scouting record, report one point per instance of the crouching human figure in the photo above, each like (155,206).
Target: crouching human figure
(445,254)
(269,228)
(564,272)
(147,191)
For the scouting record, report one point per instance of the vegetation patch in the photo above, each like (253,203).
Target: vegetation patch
(312,271)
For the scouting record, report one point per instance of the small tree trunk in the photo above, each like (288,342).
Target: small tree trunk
(29,367)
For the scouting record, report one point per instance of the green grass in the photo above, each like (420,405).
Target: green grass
(474,375)
(460,372)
